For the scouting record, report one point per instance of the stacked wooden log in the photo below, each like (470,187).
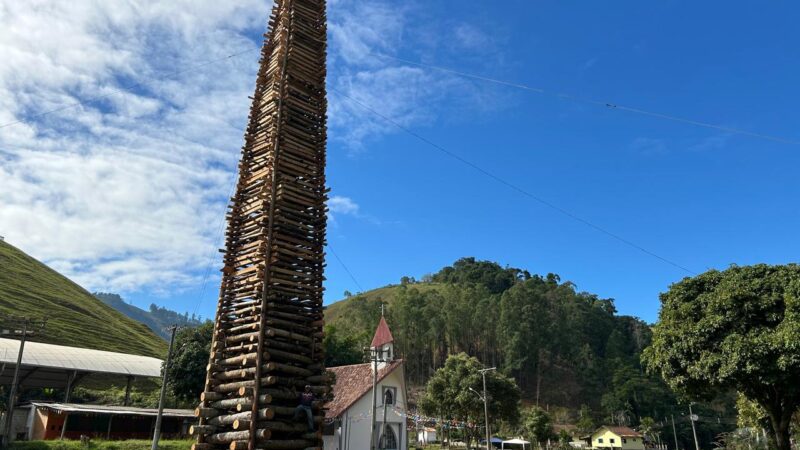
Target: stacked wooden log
(267,342)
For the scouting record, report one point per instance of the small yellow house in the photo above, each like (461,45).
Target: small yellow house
(624,438)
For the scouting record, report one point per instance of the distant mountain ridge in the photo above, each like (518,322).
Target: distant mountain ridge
(74,317)
(157,318)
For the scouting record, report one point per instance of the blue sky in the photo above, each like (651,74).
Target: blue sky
(126,194)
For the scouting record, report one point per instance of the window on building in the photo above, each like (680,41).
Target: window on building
(625,441)
(612,440)
(389,394)
(600,440)
(388,440)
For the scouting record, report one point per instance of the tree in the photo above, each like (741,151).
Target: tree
(585,423)
(647,426)
(451,395)
(342,348)
(536,423)
(633,395)
(736,329)
(187,372)
(564,438)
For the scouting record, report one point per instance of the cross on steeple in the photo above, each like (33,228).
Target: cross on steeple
(383,341)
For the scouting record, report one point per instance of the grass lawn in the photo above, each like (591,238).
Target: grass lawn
(183,444)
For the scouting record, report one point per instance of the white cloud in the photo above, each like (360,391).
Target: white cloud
(471,37)
(342,205)
(410,95)
(126,191)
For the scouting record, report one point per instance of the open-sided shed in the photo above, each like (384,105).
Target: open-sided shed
(60,367)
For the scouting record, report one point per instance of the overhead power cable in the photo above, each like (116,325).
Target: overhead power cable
(346,269)
(511,185)
(605,104)
(521,86)
(221,233)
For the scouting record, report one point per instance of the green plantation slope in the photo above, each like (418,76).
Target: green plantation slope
(74,316)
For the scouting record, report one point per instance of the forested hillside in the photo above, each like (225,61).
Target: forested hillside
(564,347)
(157,318)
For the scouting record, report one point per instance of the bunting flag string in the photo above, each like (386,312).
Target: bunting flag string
(416,417)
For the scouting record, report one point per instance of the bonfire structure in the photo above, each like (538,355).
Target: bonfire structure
(267,342)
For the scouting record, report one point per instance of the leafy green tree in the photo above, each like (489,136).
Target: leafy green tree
(750,414)
(647,426)
(187,372)
(489,274)
(451,395)
(564,438)
(537,424)
(632,395)
(585,423)
(342,348)
(736,329)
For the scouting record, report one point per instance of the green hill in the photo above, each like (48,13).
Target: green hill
(74,316)
(337,313)
(564,348)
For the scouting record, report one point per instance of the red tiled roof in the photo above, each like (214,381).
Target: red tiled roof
(352,383)
(623,431)
(382,334)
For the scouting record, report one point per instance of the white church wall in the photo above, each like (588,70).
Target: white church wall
(354,433)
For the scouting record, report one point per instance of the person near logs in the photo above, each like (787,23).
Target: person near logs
(306,399)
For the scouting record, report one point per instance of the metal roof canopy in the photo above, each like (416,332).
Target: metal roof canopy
(51,366)
(117,410)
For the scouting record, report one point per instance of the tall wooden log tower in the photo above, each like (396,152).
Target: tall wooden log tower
(267,342)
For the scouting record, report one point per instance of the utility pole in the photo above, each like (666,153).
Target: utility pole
(486,407)
(157,430)
(375,356)
(692,418)
(674,432)
(27,325)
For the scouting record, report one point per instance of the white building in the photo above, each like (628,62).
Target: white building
(426,435)
(348,417)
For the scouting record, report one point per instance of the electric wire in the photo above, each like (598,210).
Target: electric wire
(220,232)
(452,155)
(609,105)
(346,269)
(511,185)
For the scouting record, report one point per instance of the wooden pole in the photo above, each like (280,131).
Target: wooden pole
(372,437)
(70,385)
(64,425)
(127,401)
(12,396)
(674,432)
(486,407)
(27,325)
(694,429)
(157,429)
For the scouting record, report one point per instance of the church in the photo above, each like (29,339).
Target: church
(349,415)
